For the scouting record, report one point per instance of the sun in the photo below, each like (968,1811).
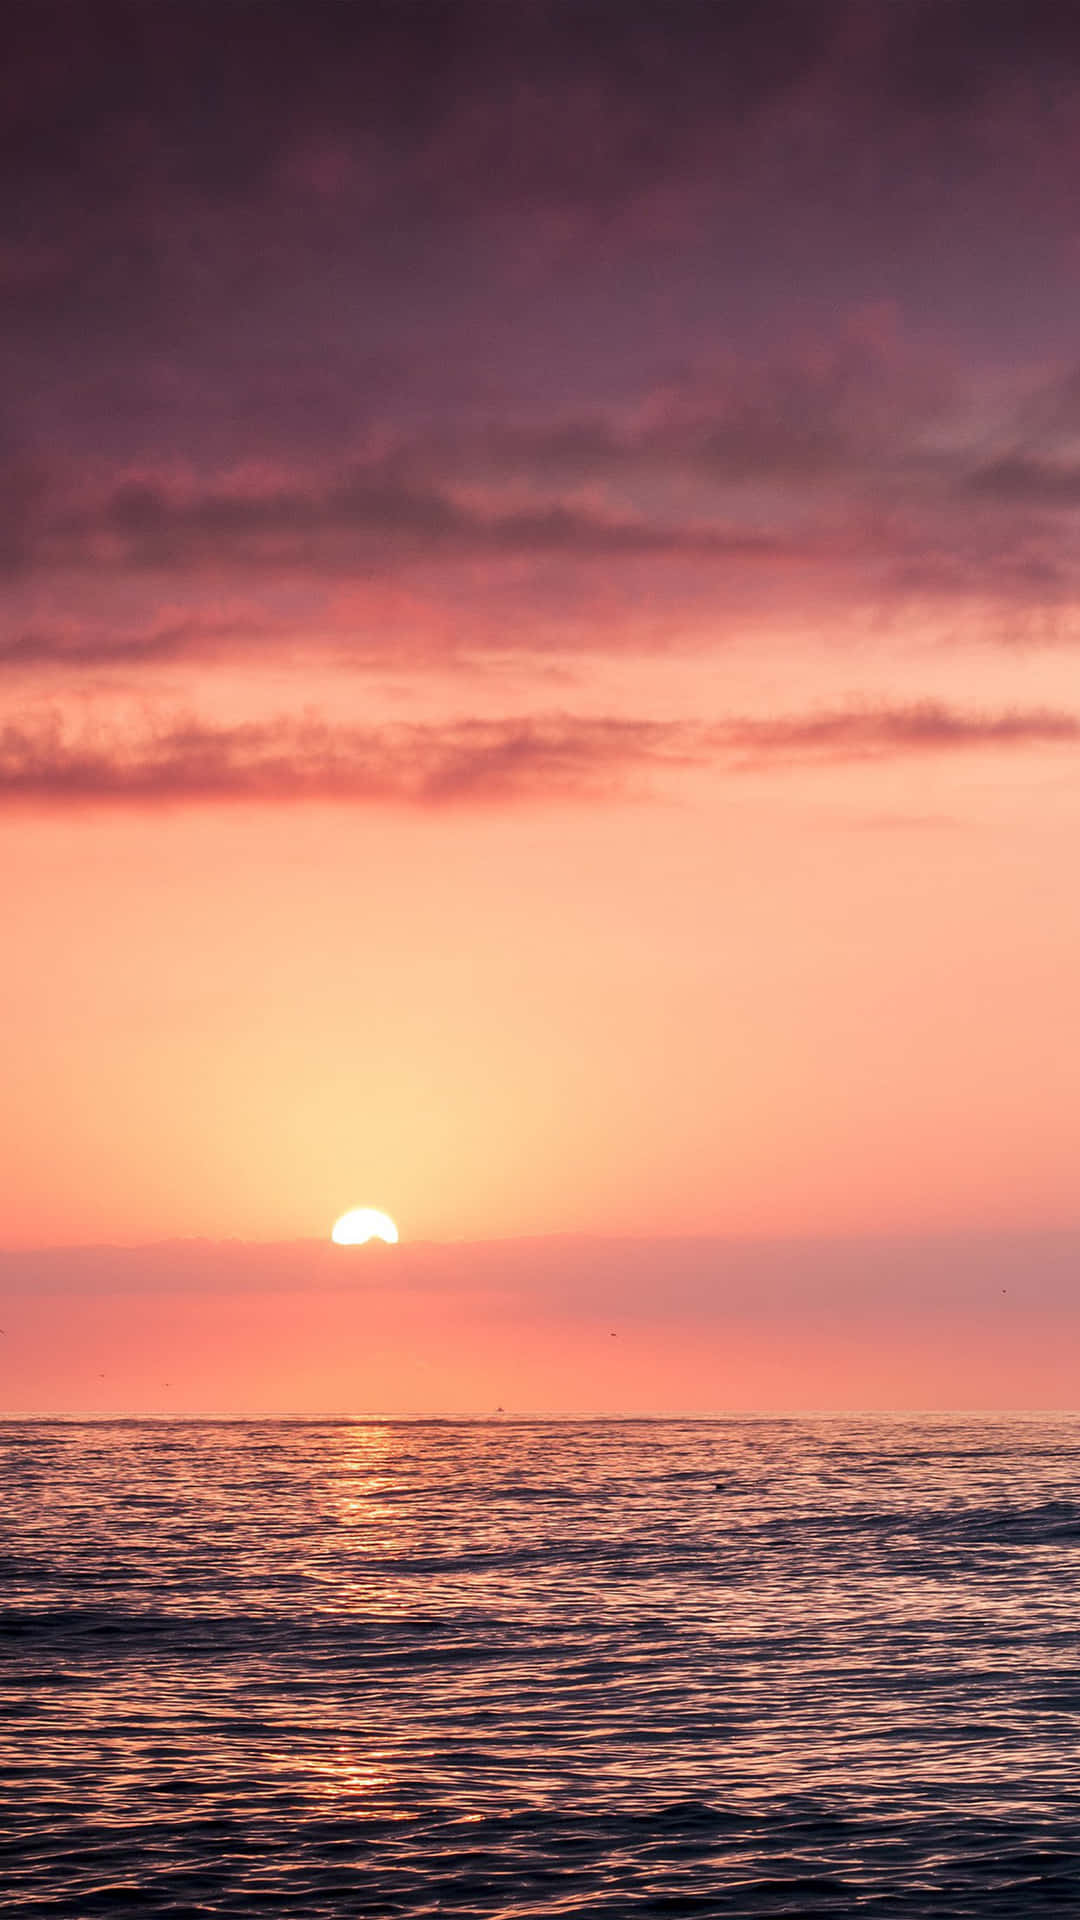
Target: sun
(361,1224)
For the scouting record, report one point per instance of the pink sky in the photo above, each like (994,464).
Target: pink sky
(538,679)
(557,1325)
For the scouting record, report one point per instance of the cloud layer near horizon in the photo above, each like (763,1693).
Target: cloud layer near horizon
(702,1279)
(556,1324)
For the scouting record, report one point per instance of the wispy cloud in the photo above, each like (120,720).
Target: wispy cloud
(296,760)
(471,761)
(882,733)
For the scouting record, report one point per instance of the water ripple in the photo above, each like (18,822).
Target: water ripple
(521,1670)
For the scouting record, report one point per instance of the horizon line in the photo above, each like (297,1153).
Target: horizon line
(588,1235)
(562,1419)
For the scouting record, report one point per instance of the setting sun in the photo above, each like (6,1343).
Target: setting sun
(361,1224)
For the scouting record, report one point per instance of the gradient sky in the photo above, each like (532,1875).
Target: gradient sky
(539,682)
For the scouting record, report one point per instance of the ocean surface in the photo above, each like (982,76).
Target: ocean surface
(540,1668)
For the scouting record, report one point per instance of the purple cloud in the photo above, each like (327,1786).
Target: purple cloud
(550,315)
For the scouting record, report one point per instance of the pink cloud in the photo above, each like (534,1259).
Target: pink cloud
(472,761)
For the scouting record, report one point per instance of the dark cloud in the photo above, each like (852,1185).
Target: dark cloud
(845,414)
(856,470)
(367,520)
(856,474)
(153,530)
(470,762)
(946,59)
(1021,481)
(208,94)
(847,409)
(161,164)
(210,97)
(502,299)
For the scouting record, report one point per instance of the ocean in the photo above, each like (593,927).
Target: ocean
(532,1668)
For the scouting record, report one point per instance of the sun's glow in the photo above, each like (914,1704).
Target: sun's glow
(361,1224)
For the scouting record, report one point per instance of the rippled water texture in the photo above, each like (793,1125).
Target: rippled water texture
(784,1667)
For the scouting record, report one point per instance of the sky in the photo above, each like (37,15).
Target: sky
(539,692)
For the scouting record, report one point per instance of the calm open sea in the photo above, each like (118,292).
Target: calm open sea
(379,1668)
